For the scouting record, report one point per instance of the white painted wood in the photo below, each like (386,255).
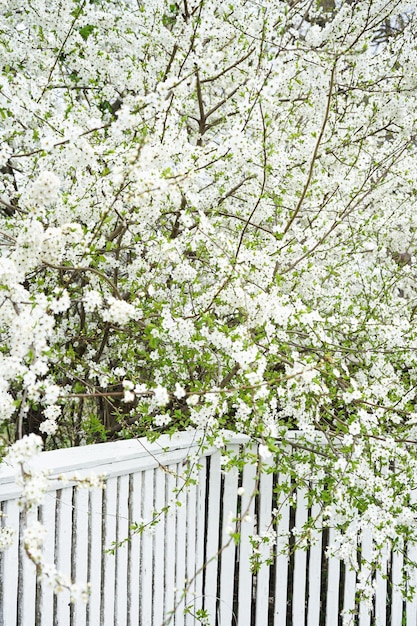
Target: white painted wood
(10,567)
(282,560)
(27,576)
(114,458)
(228,546)
(63,551)
(159,547)
(411,608)
(122,531)
(300,562)
(95,556)
(200,534)
(396,577)
(191,552)
(247,512)
(146,597)
(349,595)
(170,545)
(133,583)
(333,577)
(109,560)
(121,457)
(264,527)
(364,612)
(212,539)
(181,548)
(314,569)
(381,593)
(80,552)
(47,518)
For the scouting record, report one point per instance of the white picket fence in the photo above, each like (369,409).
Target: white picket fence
(143,582)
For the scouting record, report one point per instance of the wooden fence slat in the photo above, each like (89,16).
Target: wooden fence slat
(10,567)
(80,552)
(63,548)
(200,534)
(245,580)
(314,570)
(191,551)
(170,545)
(133,582)
(381,593)
(212,540)
(349,592)
(364,612)
(95,555)
(146,596)
(282,560)
(109,561)
(333,576)
(411,607)
(122,532)
(46,594)
(181,548)
(300,562)
(396,578)
(228,546)
(264,526)
(159,548)
(27,576)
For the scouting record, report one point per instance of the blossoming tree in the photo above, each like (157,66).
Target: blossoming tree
(208,218)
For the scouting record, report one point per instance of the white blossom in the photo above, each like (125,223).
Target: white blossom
(264,451)
(49,427)
(24,449)
(119,311)
(179,391)
(92,300)
(45,188)
(161,395)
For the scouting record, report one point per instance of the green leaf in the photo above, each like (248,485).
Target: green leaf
(85,31)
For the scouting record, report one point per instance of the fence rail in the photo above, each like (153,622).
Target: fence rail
(189,548)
